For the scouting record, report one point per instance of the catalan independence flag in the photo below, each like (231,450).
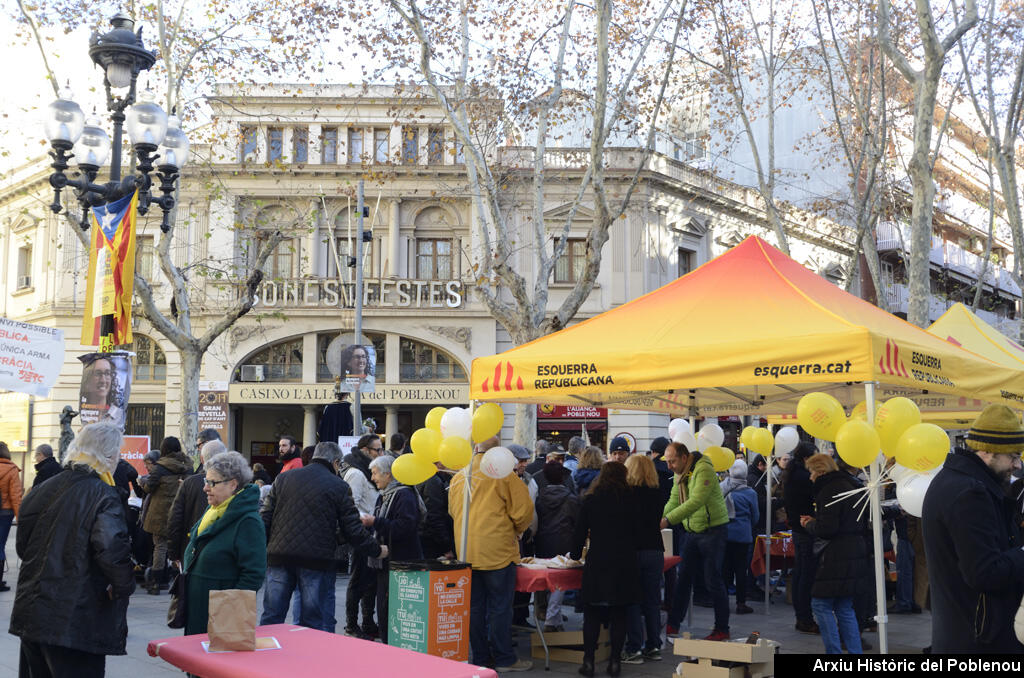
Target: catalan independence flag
(111,273)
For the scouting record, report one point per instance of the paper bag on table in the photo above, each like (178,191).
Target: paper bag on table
(232,622)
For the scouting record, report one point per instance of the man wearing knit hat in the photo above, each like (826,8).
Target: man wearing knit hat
(972,542)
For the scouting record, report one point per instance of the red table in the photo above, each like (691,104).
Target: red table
(308,653)
(529,579)
(783,553)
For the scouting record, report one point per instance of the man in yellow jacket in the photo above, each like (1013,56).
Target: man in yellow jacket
(500,510)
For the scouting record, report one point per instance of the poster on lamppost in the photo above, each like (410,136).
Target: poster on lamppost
(106,386)
(30,357)
(213,407)
(353,363)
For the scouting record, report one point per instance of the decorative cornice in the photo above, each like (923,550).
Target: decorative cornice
(461,335)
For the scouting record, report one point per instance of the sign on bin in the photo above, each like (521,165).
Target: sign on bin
(428,608)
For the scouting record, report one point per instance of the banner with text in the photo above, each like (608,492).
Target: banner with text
(30,357)
(213,407)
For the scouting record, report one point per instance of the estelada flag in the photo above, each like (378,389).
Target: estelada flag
(111,278)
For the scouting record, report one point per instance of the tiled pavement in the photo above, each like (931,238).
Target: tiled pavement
(146,614)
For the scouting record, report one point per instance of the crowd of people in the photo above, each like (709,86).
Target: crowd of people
(228,528)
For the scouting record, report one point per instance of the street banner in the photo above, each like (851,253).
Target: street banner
(30,357)
(213,407)
(133,449)
(106,386)
(111,278)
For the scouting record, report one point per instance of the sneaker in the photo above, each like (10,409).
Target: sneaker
(671,631)
(520,665)
(632,657)
(808,627)
(653,654)
(743,608)
(717,635)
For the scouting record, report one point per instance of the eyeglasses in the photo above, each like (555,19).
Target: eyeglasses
(214,483)
(378,448)
(103,374)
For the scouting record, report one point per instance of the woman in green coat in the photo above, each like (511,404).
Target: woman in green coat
(227,548)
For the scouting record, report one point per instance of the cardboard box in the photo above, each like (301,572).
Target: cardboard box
(567,646)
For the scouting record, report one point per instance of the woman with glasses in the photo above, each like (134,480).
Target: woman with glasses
(102,399)
(227,548)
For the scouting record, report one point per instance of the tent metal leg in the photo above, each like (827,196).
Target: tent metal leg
(874,471)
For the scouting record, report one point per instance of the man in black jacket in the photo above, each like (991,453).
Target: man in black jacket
(972,541)
(46,466)
(70,610)
(190,503)
(305,513)
(798,496)
(555,455)
(436,533)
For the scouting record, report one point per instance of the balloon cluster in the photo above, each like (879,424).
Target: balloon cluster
(898,432)
(708,442)
(446,439)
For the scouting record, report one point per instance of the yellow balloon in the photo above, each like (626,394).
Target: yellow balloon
(857,443)
(745,436)
(487,421)
(425,443)
(455,452)
(922,447)
(860,411)
(893,419)
(762,441)
(434,418)
(821,415)
(410,469)
(720,457)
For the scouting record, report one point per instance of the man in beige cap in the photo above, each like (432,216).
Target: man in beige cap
(972,541)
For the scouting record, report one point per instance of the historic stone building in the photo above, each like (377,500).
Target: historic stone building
(284,157)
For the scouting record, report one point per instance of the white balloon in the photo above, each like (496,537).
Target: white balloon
(898,472)
(677,426)
(498,462)
(786,440)
(686,438)
(711,435)
(910,492)
(457,421)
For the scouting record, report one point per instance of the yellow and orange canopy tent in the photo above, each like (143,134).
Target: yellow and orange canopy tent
(749,332)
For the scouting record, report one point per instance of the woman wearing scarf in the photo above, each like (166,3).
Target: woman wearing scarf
(741,503)
(395,522)
(227,548)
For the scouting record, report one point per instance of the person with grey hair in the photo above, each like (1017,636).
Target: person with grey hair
(205,436)
(46,466)
(190,502)
(540,450)
(227,548)
(307,513)
(395,522)
(70,610)
(575,448)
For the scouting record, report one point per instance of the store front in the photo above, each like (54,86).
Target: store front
(284,387)
(559,423)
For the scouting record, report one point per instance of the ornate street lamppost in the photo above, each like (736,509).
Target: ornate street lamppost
(156,138)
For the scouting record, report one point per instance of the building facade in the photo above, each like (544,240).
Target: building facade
(288,158)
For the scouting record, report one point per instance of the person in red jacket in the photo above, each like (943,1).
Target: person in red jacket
(10,502)
(290,453)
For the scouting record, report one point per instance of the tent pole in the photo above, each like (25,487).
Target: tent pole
(876,530)
(768,533)
(464,537)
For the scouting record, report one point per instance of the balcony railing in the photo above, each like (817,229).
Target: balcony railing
(945,254)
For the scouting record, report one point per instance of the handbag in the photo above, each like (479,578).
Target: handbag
(177,611)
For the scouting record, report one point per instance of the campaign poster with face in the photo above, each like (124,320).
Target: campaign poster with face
(106,385)
(359,365)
